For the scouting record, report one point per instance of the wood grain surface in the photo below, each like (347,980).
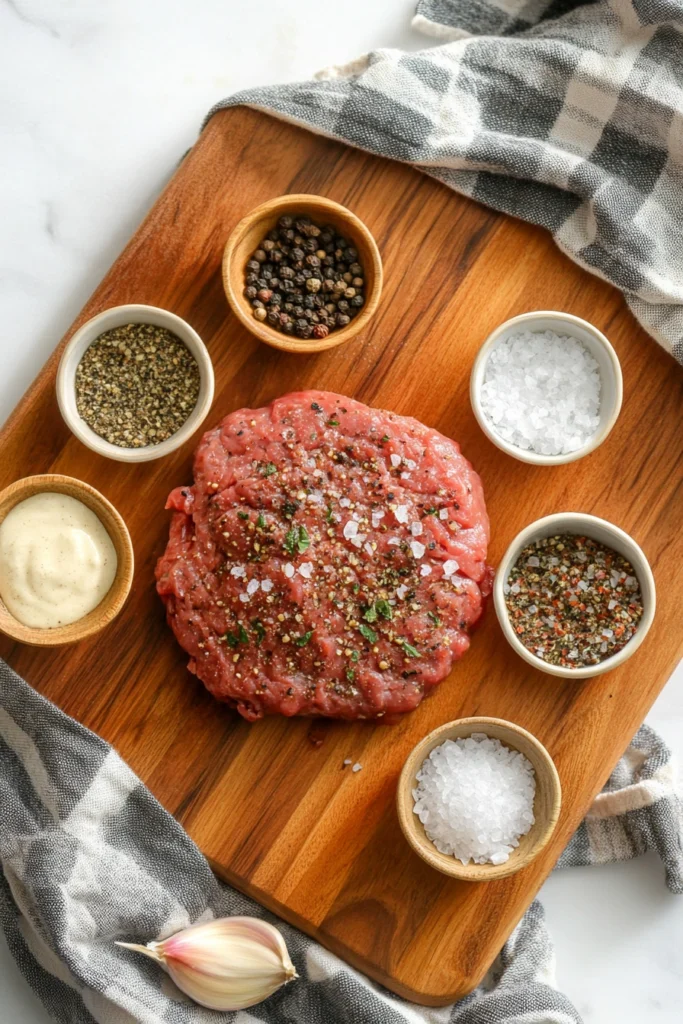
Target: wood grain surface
(277,815)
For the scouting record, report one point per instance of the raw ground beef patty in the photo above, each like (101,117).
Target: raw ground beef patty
(329,559)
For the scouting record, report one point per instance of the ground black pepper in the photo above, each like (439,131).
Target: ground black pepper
(572,601)
(305,280)
(136,385)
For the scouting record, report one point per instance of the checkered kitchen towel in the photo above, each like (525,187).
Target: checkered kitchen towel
(565,114)
(88,856)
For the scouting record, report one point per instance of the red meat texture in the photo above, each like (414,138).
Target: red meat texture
(329,559)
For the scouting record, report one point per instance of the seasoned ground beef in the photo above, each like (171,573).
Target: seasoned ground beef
(329,559)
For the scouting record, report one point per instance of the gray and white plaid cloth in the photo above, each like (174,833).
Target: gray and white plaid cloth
(89,856)
(564,114)
(569,117)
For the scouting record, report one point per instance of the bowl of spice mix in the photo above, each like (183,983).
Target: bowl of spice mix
(478,798)
(302,273)
(546,387)
(135,383)
(575,595)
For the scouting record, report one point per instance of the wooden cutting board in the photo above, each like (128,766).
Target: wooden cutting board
(277,815)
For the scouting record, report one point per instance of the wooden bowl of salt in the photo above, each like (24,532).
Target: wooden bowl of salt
(547,798)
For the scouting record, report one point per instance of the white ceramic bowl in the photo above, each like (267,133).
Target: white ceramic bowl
(118,316)
(605,533)
(598,346)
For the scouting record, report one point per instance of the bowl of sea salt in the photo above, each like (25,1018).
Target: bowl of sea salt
(479,798)
(546,387)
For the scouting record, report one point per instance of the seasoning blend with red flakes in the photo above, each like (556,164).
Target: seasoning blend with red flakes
(572,601)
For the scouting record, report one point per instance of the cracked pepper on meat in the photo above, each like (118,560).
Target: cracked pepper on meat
(329,559)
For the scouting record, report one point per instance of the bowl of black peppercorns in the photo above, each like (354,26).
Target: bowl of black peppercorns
(302,273)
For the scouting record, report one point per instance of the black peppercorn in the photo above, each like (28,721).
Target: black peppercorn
(304,279)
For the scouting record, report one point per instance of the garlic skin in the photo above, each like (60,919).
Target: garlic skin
(227,964)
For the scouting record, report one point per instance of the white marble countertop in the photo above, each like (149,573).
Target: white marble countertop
(98,102)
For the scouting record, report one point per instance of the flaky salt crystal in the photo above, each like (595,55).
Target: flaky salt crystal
(350,529)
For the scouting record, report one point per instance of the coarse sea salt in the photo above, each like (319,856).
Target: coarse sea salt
(541,392)
(475,798)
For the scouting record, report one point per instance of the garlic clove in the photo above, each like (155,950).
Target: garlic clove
(227,964)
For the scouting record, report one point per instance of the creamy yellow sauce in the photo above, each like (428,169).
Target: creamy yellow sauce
(57,560)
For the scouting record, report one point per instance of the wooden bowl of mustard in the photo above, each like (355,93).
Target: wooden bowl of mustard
(115,528)
(250,231)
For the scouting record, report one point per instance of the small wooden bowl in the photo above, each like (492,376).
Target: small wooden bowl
(113,601)
(256,225)
(547,800)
